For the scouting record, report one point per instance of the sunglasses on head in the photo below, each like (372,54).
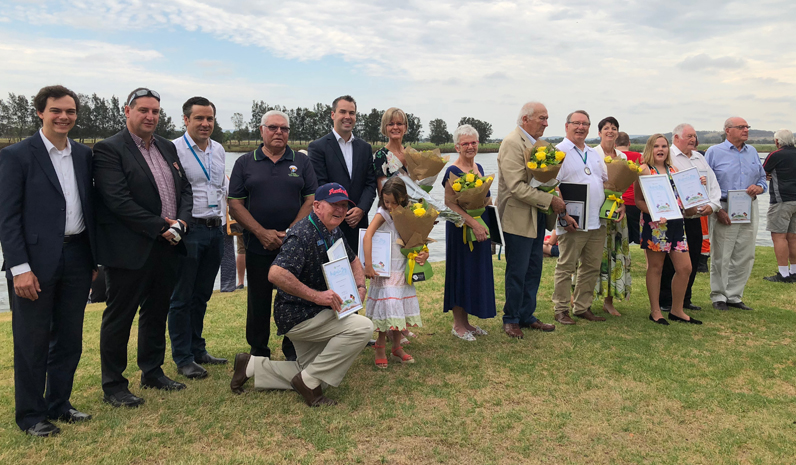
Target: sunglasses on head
(143,93)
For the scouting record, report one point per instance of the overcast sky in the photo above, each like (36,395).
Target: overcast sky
(650,64)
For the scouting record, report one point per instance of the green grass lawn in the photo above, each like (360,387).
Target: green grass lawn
(623,391)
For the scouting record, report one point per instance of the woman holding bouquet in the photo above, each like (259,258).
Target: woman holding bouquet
(390,158)
(659,238)
(615,268)
(469,282)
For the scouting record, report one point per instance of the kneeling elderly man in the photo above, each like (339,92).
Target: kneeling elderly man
(305,309)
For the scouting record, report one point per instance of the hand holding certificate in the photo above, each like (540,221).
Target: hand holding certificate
(380,251)
(690,188)
(739,206)
(660,198)
(340,279)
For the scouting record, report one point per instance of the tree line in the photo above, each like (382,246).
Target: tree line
(99,118)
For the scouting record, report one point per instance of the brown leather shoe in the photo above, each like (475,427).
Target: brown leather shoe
(538,325)
(564,319)
(239,377)
(313,397)
(513,330)
(588,315)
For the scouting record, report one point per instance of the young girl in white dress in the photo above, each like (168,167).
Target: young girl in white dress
(392,303)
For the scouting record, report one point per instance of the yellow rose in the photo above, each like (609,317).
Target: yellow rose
(540,156)
(541,149)
(420,211)
(469,177)
(543,166)
(457,187)
(489,178)
(478,183)
(560,155)
(418,205)
(532,165)
(608,159)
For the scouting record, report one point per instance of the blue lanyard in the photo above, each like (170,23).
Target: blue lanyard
(584,156)
(207,175)
(323,239)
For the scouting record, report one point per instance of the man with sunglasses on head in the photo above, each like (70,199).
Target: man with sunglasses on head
(143,211)
(270,189)
(737,167)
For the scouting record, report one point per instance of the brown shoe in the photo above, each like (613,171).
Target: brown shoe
(313,397)
(239,377)
(588,315)
(513,330)
(564,319)
(538,325)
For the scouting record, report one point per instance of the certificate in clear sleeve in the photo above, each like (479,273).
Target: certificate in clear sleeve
(576,210)
(337,251)
(739,206)
(380,251)
(340,279)
(690,188)
(660,198)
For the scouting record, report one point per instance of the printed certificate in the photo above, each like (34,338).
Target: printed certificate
(340,279)
(337,251)
(739,206)
(380,251)
(690,188)
(660,197)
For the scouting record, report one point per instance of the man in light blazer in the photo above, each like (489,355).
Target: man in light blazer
(144,207)
(47,234)
(521,206)
(342,158)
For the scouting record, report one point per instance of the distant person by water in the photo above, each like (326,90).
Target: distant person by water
(780,167)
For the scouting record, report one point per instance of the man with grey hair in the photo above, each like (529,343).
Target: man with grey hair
(684,156)
(270,189)
(780,167)
(737,167)
(521,208)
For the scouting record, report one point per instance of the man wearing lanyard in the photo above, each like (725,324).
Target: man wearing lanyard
(581,165)
(737,167)
(203,161)
(684,156)
(270,190)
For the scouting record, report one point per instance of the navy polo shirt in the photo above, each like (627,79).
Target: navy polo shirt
(272,192)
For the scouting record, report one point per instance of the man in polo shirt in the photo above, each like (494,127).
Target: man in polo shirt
(270,190)
(781,167)
(581,165)
(203,161)
(684,156)
(737,167)
(305,308)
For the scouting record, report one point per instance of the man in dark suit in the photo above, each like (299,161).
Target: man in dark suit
(342,158)
(47,234)
(143,209)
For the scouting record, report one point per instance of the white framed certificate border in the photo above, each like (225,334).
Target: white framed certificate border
(690,184)
(345,286)
(377,253)
(738,203)
(662,182)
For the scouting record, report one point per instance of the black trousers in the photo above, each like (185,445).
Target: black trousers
(48,337)
(149,287)
(693,233)
(633,217)
(258,312)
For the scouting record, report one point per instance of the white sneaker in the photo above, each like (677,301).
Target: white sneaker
(467,336)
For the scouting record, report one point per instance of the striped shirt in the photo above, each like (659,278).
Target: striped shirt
(163,178)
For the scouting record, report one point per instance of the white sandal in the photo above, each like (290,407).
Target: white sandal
(478,331)
(467,336)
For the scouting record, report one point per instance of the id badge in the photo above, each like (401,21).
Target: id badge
(213,198)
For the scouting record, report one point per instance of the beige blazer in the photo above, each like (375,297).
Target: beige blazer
(517,200)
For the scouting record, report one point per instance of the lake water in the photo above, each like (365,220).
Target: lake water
(437,249)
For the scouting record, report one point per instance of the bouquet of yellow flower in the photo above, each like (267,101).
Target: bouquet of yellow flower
(543,161)
(621,175)
(414,223)
(470,192)
(423,167)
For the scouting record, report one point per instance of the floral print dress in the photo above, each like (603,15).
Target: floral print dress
(615,267)
(668,237)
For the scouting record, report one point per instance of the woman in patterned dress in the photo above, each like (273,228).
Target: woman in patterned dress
(659,238)
(615,268)
(390,158)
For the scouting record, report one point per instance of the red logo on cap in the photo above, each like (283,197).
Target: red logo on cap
(338,191)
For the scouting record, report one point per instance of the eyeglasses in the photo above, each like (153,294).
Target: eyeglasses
(143,93)
(579,123)
(278,128)
(741,127)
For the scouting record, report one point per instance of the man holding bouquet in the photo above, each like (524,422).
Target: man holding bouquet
(521,208)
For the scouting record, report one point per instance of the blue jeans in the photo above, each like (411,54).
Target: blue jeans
(524,257)
(195,278)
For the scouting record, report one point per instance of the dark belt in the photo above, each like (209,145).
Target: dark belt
(209,222)
(75,237)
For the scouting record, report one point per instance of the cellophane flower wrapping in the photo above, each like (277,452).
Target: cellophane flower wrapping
(414,224)
(470,192)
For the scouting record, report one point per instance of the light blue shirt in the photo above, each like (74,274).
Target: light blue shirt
(734,169)
(530,138)
(205,193)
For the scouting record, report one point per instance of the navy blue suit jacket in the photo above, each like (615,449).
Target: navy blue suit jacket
(33,207)
(329,164)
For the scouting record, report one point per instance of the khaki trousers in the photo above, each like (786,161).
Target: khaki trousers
(732,255)
(325,349)
(586,246)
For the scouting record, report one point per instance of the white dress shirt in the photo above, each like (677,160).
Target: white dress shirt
(683,162)
(348,151)
(205,193)
(572,170)
(65,170)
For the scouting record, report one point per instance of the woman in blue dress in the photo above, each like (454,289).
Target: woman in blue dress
(469,282)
